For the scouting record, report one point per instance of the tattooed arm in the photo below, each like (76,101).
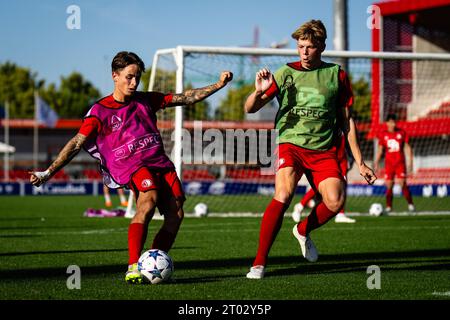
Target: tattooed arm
(69,151)
(195,95)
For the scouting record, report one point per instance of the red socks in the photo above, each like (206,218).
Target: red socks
(389,196)
(307,197)
(319,215)
(407,194)
(137,234)
(270,225)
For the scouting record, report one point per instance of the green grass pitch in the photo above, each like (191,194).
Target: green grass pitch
(42,235)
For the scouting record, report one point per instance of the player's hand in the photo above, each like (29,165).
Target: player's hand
(367,174)
(225,77)
(263,80)
(37,178)
(409,168)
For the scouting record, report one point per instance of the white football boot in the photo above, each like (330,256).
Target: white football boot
(307,246)
(256,272)
(342,218)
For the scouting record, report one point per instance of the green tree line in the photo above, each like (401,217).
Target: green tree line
(70,100)
(74,95)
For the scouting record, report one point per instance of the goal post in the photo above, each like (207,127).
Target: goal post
(382,82)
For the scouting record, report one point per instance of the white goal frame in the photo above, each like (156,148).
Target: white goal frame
(180,52)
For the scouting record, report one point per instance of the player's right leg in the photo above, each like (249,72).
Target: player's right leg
(137,233)
(145,187)
(285,183)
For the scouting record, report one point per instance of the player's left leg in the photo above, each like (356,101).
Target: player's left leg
(330,184)
(170,205)
(333,198)
(173,213)
(407,194)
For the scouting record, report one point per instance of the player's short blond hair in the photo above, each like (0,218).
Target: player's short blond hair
(313,30)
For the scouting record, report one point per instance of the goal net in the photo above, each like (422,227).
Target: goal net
(225,157)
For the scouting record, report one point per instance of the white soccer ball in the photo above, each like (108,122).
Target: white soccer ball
(376,209)
(201,210)
(156,266)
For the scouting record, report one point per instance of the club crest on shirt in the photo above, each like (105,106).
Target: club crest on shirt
(146,183)
(116,123)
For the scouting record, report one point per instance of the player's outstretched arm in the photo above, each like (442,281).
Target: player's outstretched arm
(349,129)
(257,99)
(195,95)
(69,151)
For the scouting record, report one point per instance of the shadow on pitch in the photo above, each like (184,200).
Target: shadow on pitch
(355,262)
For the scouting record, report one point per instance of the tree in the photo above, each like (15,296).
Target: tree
(17,86)
(362,96)
(232,107)
(165,81)
(73,97)
(71,100)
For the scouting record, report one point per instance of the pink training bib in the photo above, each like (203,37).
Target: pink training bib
(129,139)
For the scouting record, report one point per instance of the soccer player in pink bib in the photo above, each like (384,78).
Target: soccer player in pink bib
(315,101)
(121,132)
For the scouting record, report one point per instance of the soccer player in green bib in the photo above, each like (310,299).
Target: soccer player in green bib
(315,99)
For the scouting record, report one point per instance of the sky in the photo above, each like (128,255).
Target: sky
(34,34)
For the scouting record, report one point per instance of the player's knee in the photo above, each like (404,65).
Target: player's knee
(334,203)
(283,195)
(172,221)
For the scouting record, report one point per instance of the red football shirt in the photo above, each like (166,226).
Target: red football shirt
(394,143)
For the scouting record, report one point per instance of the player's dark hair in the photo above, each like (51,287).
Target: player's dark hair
(391,116)
(124,59)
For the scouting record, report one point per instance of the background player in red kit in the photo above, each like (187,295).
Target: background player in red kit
(394,141)
(121,132)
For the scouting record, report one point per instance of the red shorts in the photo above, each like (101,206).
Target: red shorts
(397,170)
(166,181)
(316,165)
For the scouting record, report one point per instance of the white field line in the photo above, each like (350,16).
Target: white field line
(197,228)
(350,214)
(445,294)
